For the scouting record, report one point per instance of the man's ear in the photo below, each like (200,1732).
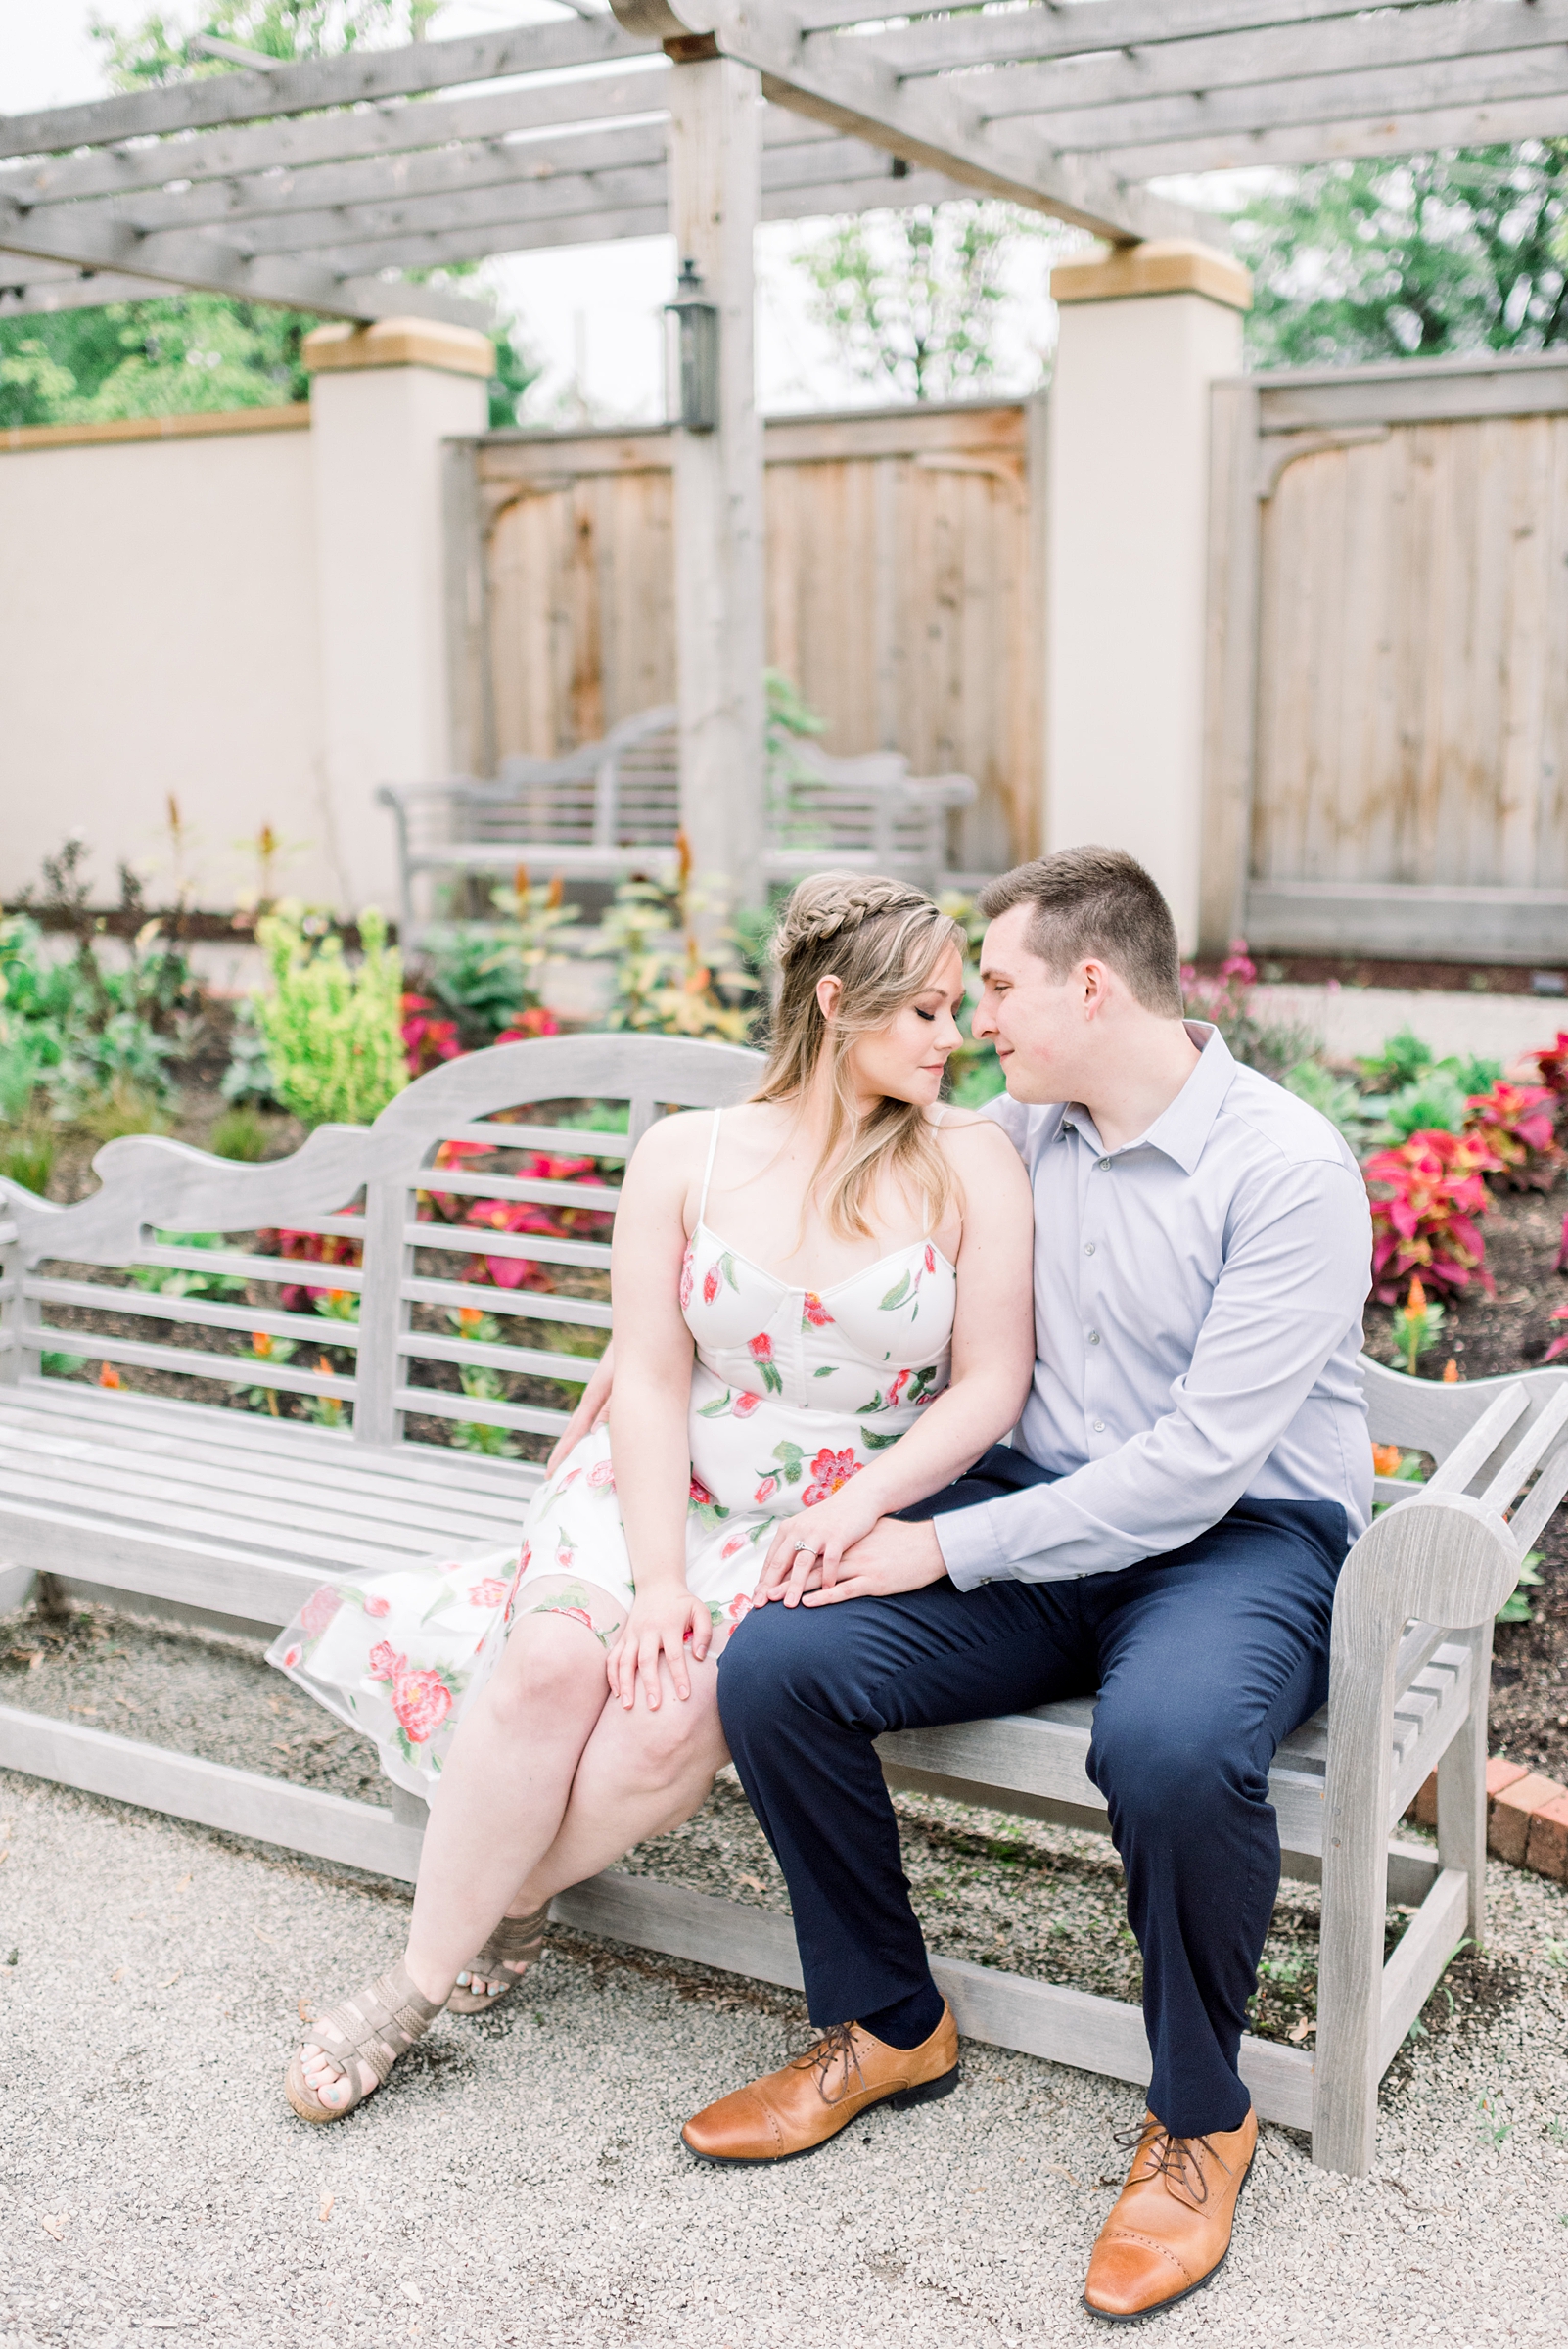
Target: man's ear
(1094,981)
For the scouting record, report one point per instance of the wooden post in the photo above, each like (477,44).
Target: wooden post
(714,197)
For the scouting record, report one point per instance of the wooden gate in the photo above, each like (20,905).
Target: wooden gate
(1387,767)
(902,593)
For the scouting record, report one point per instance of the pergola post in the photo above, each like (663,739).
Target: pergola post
(714,199)
(1144,333)
(384,401)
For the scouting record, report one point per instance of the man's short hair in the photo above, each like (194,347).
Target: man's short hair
(1099,902)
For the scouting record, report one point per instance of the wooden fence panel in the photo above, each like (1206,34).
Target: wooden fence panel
(1395,692)
(903,595)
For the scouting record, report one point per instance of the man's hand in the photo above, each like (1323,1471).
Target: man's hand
(892,1556)
(588,1413)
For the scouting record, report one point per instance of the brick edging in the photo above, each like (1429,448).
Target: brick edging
(1527,1817)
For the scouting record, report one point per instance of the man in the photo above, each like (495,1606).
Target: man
(1166,1533)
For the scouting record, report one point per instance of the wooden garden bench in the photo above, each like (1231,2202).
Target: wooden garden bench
(221,1516)
(613,808)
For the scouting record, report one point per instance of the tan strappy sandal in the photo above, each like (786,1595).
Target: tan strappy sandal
(514,1938)
(374,2027)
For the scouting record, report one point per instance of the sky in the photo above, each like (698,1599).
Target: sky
(590,315)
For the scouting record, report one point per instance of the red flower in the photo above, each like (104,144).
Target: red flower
(829,1471)
(1426,1194)
(739,1605)
(291,1657)
(421,1701)
(318,1610)
(685,1280)
(701,1498)
(895,1391)
(487,1592)
(765,1490)
(385,1662)
(710,1284)
(760,1348)
(813,1312)
(601,1474)
(535,1021)
(378,1606)
(746,1402)
(931,1257)
(735,1544)
(577,1614)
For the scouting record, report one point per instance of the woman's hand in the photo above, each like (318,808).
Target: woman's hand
(663,1619)
(805,1550)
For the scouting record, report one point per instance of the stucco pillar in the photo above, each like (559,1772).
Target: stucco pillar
(384,399)
(1145,332)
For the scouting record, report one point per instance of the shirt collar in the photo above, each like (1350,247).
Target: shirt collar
(1180,1131)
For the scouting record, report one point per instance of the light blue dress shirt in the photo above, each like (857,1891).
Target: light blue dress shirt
(1198,1299)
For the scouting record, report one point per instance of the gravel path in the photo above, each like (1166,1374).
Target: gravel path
(520,2182)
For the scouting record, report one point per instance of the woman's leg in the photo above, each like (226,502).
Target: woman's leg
(499,1805)
(641,1773)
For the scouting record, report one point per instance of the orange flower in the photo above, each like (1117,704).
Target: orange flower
(1415,1303)
(323,1365)
(108,1376)
(260,1344)
(1450,1372)
(468,1317)
(1386,1459)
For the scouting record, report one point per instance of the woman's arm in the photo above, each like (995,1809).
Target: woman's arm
(649,1443)
(993,1363)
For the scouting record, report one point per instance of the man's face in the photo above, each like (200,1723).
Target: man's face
(1035,1019)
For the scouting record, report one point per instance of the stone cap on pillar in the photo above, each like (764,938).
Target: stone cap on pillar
(1163,265)
(398,343)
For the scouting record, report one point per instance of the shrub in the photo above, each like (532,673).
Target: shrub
(668,984)
(124,1107)
(1426,1196)
(239,1133)
(27,1150)
(1431,1103)
(1403,1059)
(1226,1001)
(1335,1099)
(1517,1124)
(332,1032)
(248,1076)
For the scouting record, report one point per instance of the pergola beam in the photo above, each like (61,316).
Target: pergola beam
(29,297)
(187,257)
(1379,134)
(941,128)
(1146,26)
(391,129)
(360,78)
(1402,43)
(1539,74)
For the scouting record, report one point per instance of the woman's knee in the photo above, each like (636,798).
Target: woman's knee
(548,1661)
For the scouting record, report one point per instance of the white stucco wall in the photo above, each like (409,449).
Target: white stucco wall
(159,633)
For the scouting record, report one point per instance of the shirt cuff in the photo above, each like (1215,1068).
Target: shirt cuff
(970,1549)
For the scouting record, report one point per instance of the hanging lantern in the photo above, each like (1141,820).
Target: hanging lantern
(694,389)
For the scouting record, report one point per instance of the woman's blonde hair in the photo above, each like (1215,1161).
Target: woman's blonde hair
(882,940)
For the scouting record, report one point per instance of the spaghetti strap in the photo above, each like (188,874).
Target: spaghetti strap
(708,1171)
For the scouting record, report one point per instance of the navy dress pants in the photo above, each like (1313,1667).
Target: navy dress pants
(1203,1660)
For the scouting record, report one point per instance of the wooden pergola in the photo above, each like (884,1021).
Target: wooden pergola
(314,185)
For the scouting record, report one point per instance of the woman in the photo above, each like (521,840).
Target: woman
(823,1313)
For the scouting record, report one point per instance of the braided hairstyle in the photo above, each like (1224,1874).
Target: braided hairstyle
(881,939)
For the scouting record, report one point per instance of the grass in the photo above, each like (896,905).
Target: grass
(240,1134)
(28,1152)
(125,1107)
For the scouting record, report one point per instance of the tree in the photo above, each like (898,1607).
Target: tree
(179,353)
(1419,257)
(912,300)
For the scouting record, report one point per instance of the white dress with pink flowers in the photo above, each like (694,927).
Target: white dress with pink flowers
(793,1391)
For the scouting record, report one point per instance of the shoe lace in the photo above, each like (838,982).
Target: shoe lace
(814,2049)
(1174,2159)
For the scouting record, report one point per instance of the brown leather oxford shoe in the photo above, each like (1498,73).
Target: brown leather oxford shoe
(822,2091)
(1169,2229)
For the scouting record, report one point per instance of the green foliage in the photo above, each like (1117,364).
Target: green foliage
(1416,1325)
(1423,255)
(911,299)
(1335,1099)
(1414,1092)
(668,984)
(27,1150)
(331,1031)
(183,1280)
(249,1076)
(1403,1059)
(487,980)
(124,1107)
(1433,1104)
(1516,1607)
(239,1133)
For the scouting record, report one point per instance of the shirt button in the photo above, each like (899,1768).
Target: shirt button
(1099,1427)
(1089,1249)
(1094,1337)
(1105,1165)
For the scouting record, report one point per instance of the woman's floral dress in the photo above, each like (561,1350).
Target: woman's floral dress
(793,1393)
